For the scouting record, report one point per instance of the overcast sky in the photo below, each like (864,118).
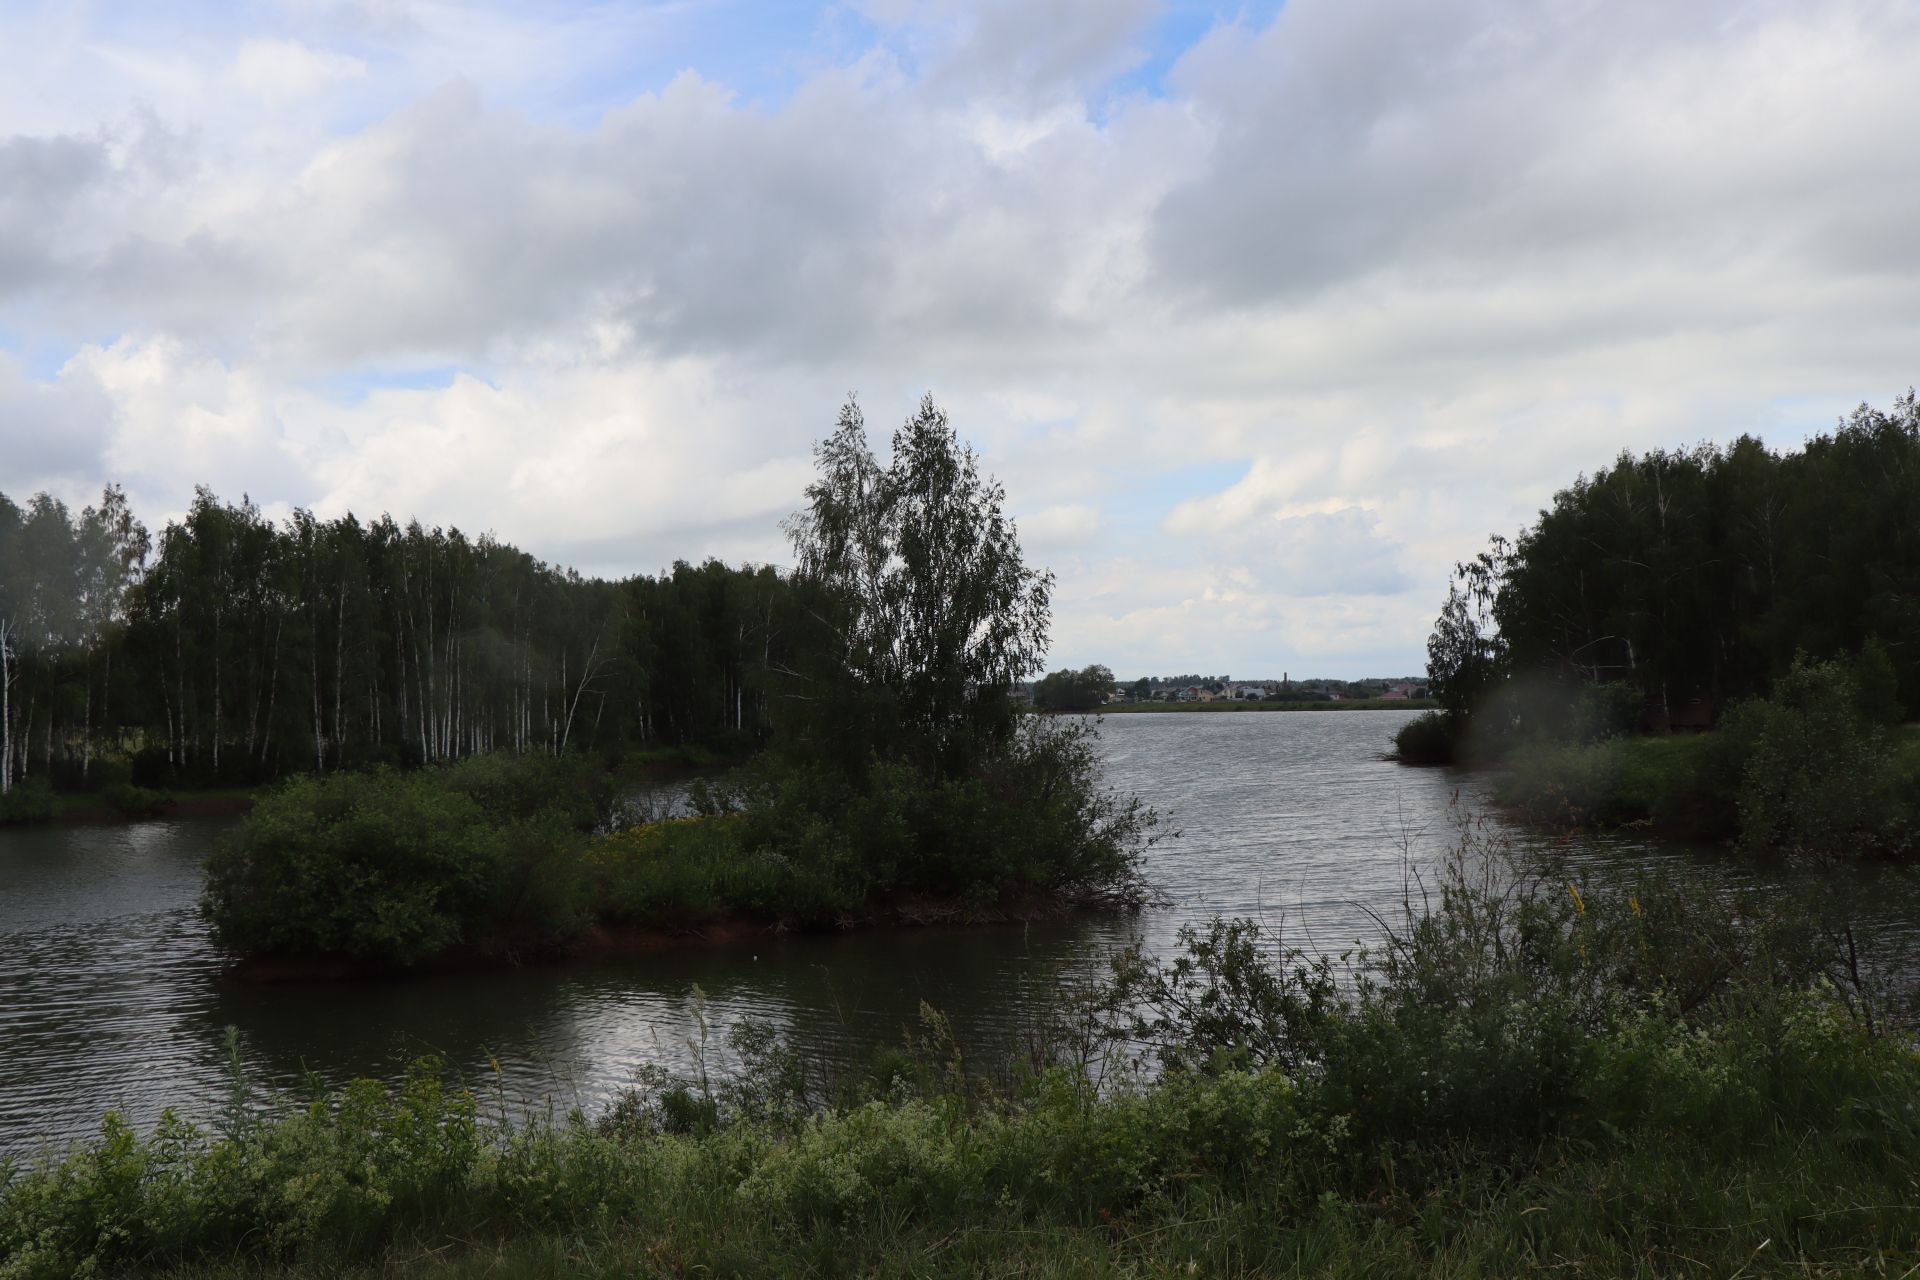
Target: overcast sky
(1264,314)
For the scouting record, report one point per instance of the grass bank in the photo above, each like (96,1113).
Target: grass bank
(1820,767)
(30,803)
(1693,786)
(1225,704)
(1525,1080)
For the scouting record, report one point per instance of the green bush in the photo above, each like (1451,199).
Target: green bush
(575,790)
(381,867)
(1820,775)
(1685,784)
(1032,820)
(1569,785)
(130,801)
(27,801)
(392,868)
(1428,738)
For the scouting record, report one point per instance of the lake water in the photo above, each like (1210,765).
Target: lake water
(111,995)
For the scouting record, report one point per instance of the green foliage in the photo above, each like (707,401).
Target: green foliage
(684,872)
(130,801)
(1812,770)
(246,649)
(393,869)
(1467,657)
(1232,996)
(1685,785)
(27,802)
(1428,738)
(1608,709)
(1069,690)
(1031,823)
(575,790)
(916,612)
(1522,1070)
(1820,777)
(1699,575)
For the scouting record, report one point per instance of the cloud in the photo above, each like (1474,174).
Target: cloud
(1054,530)
(1259,351)
(281,71)
(985,52)
(44,184)
(55,433)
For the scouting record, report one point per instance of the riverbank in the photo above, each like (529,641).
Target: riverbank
(1237,704)
(1685,786)
(1226,1176)
(125,803)
(612,942)
(1597,1099)
(213,802)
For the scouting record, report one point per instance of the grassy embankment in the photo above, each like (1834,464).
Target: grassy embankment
(1690,786)
(32,802)
(120,801)
(1820,766)
(1235,704)
(1525,1082)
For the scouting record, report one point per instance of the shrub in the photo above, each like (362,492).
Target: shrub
(394,868)
(574,789)
(1031,820)
(1819,775)
(1428,738)
(27,801)
(380,866)
(130,801)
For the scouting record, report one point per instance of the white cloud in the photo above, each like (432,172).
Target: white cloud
(281,71)
(1398,271)
(1055,530)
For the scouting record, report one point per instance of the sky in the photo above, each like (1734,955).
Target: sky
(1264,314)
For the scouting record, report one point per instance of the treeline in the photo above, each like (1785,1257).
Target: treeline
(231,648)
(1695,578)
(1070,690)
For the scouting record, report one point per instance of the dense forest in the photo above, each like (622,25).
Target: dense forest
(1694,578)
(230,648)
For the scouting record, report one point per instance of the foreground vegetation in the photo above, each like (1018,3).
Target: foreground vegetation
(1530,1075)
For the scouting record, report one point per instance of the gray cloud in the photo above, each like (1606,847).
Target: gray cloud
(43,181)
(55,435)
(1439,145)
(1406,268)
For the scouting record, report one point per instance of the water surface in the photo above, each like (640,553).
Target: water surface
(111,994)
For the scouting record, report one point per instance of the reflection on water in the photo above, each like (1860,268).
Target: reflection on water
(110,995)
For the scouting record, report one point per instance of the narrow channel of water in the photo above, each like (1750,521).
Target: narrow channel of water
(110,993)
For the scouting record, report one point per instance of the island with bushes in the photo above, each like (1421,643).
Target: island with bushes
(898,782)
